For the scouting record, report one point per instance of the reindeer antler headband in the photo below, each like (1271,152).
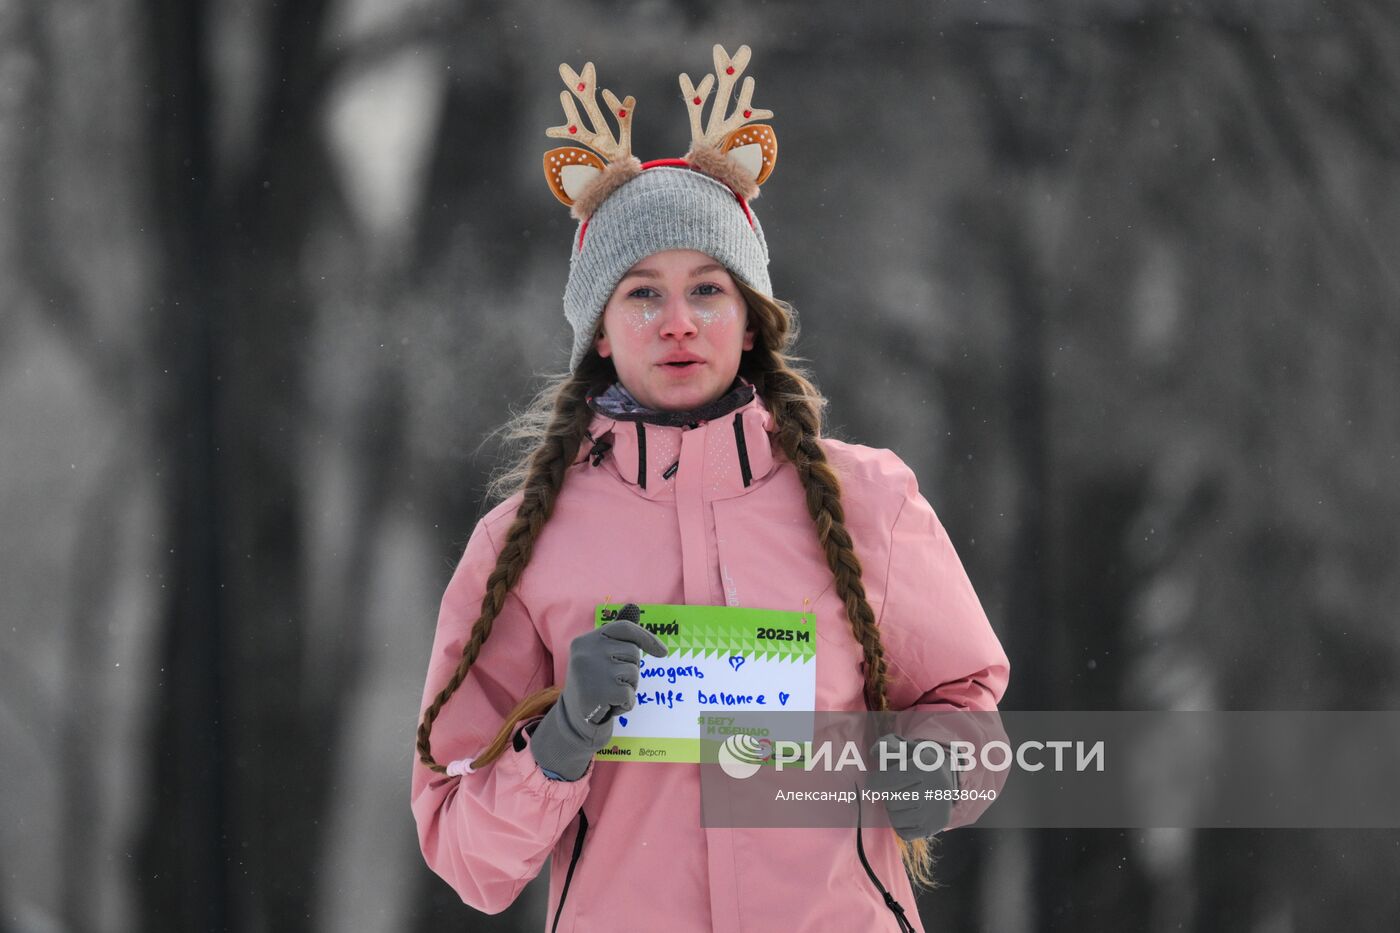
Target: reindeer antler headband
(733,148)
(631,209)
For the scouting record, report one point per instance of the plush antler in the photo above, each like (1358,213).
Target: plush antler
(721,126)
(600,138)
(577,177)
(740,155)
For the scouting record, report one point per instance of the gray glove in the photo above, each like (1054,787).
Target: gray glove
(604,668)
(912,819)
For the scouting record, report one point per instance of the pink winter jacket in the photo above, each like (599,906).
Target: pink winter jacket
(712,514)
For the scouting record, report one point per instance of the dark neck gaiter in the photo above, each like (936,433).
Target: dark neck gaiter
(618,403)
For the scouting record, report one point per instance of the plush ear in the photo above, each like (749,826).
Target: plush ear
(569,171)
(754,148)
(743,160)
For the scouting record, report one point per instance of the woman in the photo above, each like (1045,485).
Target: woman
(680,461)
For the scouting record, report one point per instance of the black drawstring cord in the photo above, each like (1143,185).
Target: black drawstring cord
(745,471)
(601,446)
(895,907)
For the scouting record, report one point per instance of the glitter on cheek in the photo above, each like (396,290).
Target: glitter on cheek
(709,316)
(644,316)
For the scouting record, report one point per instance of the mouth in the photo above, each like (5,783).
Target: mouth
(684,364)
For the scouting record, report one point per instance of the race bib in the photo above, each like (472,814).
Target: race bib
(721,659)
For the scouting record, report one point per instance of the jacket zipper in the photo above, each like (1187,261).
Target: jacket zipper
(573,861)
(894,905)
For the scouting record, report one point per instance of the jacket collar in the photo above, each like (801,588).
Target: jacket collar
(643,448)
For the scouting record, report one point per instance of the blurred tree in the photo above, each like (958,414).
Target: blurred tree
(247,717)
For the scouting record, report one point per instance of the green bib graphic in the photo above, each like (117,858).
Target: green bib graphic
(721,659)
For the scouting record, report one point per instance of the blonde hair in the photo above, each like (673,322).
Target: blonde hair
(551,432)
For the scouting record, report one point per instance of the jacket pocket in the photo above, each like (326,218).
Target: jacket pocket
(573,863)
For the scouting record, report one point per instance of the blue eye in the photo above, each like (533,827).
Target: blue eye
(714,290)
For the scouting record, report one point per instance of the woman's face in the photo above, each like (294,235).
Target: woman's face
(678,304)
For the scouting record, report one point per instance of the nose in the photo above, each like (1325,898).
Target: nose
(677,319)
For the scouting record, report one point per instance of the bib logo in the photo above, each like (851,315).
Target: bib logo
(615,750)
(741,755)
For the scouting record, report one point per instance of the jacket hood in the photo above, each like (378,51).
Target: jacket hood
(643,447)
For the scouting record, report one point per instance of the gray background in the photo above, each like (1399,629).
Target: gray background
(1116,278)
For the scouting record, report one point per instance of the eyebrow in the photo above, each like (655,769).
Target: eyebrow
(651,274)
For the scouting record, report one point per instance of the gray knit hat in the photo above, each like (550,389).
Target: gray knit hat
(662,208)
(628,210)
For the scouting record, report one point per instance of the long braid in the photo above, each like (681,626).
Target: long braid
(797,406)
(797,409)
(542,481)
(798,438)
